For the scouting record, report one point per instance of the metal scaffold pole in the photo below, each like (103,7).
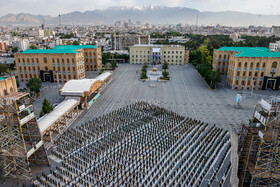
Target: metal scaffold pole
(267,167)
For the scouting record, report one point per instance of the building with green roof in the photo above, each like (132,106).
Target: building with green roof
(62,63)
(248,67)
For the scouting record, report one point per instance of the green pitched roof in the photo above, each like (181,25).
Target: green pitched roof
(251,51)
(258,54)
(75,47)
(239,49)
(48,51)
(1,78)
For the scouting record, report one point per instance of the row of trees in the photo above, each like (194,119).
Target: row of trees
(7,68)
(108,55)
(211,77)
(144,71)
(201,59)
(165,73)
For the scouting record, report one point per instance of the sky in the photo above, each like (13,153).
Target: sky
(54,7)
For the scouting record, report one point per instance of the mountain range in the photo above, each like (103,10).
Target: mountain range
(149,14)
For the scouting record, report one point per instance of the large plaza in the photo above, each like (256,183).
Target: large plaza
(186,93)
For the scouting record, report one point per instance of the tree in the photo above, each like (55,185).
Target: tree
(165,74)
(12,66)
(34,84)
(144,75)
(204,68)
(15,49)
(145,65)
(33,47)
(215,78)
(105,58)
(3,68)
(76,43)
(47,107)
(17,83)
(113,64)
(205,53)
(165,65)
(42,113)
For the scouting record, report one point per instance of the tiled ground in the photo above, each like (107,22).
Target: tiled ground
(186,94)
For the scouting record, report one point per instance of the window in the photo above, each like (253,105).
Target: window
(19,64)
(45,60)
(18,60)
(69,73)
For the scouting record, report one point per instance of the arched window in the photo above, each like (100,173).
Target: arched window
(18,60)
(239,64)
(23,60)
(263,65)
(32,60)
(258,65)
(245,65)
(251,64)
(274,65)
(11,89)
(27,60)
(220,56)
(45,60)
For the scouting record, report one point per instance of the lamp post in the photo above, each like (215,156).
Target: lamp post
(57,79)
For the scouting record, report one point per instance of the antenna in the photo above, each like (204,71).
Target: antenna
(59,16)
(196,21)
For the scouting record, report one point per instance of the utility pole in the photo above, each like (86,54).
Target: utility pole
(196,22)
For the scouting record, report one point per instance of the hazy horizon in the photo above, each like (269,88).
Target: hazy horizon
(54,7)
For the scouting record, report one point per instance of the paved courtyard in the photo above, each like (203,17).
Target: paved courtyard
(186,94)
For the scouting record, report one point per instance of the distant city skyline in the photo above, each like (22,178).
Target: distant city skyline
(54,7)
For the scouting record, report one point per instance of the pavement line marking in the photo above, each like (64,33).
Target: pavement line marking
(188,96)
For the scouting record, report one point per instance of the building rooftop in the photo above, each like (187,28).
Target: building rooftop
(48,51)
(251,51)
(63,49)
(2,78)
(240,49)
(78,87)
(75,47)
(48,120)
(156,45)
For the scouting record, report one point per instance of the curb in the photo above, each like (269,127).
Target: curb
(205,81)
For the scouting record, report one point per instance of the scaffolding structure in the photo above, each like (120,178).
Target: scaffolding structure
(21,141)
(267,168)
(258,147)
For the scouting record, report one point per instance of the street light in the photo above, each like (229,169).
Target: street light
(57,79)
